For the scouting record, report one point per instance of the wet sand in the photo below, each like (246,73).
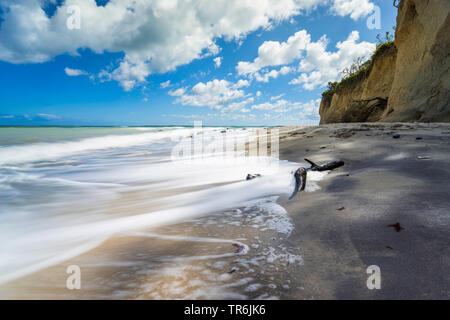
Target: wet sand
(320,253)
(236,254)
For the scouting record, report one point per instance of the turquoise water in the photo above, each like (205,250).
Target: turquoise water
(20,134)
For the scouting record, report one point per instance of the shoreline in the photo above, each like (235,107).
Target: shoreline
(326,254)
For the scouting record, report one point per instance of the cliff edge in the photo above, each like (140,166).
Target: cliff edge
(406,80)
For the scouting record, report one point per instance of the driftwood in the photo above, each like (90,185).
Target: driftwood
(300,181)
(326,166)
(252,176)
(301,173)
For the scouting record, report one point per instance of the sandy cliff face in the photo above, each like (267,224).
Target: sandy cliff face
(365,99)
(408,83)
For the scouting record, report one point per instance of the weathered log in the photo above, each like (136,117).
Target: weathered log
(326,166)
(300,181)
(301,173)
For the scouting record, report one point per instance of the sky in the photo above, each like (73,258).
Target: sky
(173,62)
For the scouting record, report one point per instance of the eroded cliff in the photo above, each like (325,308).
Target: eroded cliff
(405,81)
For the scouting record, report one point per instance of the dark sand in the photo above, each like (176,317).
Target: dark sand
(383,182)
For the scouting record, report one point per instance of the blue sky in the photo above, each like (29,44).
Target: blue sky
(156,64)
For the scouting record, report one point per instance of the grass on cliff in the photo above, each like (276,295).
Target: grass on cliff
(362,71)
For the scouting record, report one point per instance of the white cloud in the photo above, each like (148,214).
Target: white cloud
(320,66)
(74,72)
(238,106)
(308,110)
(265,77)
(48,116)
(218,62)
(165,84)
(277,97)
(274,53)
(354,8)
(278,106)
(214,94)
(242,83)
(128,74)
(247,117)
(155,36)
(178,92)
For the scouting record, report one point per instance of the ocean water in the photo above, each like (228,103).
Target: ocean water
(65,192)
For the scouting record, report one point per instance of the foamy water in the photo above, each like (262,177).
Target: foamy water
(59,199)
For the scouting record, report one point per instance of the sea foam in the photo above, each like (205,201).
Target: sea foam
(54,211)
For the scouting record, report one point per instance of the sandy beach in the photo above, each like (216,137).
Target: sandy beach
(318,248)
(385,181)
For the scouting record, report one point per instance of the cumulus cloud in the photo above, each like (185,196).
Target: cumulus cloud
(246,117)
(214,94)
(155,36)
(218,62)
(317,66)
(274,53)
(128,74)
(238,106)
(320,66)
(178,92)
(277,106)
(74,72)
(308,110)
(242,83)
(354,8)
(165,84)
(266,76)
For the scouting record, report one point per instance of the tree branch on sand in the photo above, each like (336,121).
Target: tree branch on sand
(301,173)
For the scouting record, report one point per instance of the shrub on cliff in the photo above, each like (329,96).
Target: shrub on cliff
(383,48)
(357,71)
(328,94)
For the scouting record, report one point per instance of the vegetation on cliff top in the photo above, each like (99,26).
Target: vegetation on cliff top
(359,69)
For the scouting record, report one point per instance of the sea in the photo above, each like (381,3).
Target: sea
(156,212)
